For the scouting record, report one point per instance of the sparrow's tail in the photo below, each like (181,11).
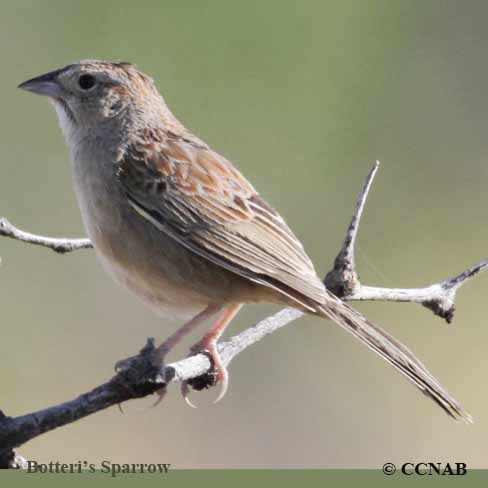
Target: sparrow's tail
(394,352)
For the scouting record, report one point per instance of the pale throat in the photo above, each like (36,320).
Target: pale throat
(66,123)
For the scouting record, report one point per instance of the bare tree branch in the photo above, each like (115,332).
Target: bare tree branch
(60,245)
(140,378)
(9,459)
(343,279)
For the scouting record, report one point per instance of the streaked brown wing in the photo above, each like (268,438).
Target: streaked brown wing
(196,196)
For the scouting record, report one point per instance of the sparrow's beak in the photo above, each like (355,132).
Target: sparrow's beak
(46,84)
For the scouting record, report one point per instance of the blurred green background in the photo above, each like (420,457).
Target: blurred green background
(303,97)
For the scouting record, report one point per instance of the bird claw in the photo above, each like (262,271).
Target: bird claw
(221,372)
(224,386)
(161,393)
(185,391)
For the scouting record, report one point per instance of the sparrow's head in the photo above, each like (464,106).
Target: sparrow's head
(92,94)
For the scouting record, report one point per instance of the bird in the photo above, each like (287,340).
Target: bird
(179,225)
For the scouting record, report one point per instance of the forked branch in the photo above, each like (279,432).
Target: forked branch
(343,279)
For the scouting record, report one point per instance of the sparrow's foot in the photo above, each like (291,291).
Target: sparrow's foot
(217,373)
(157,361)
(161,393)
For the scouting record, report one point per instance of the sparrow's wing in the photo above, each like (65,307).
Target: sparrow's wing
(197,197)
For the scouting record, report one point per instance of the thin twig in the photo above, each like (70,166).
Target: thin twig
(59,245)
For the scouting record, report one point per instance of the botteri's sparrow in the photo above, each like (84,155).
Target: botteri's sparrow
(180,226)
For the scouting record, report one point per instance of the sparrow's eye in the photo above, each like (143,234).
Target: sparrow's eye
(86,82)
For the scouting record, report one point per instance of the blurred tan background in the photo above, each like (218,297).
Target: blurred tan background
(303,97)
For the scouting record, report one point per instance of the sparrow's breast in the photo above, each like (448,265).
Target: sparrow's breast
(140,259)
(170,279)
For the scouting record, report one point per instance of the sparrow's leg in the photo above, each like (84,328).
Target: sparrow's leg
(208,345)
(162,350)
